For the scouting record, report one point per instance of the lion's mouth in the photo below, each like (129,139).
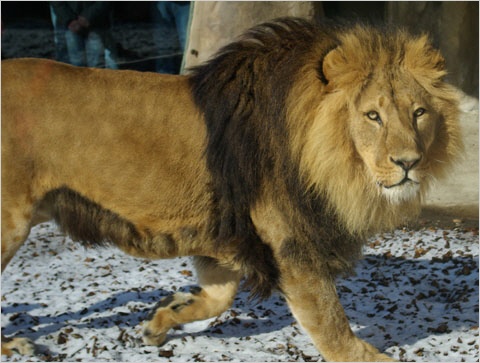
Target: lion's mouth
(402,182)
(405,190)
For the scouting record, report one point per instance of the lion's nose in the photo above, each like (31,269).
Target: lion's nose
(406,164)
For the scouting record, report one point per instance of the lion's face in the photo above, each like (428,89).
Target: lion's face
(383,126)
(393,125)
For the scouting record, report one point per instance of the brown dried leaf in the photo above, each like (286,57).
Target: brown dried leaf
(186,273)
(165,353)
(62,338)
(420,252)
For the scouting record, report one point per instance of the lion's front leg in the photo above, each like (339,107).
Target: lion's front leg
(218,286)
(313,299)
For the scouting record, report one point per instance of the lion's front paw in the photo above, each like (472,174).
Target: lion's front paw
(357,351)
(380,357)
(371,354)
(23,346)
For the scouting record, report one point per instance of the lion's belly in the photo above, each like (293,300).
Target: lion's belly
(91,223)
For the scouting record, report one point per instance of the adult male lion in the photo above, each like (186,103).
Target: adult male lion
(272,161)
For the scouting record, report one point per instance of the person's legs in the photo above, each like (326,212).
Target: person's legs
(95,51)
(182,14)
(164,19)
(76,49)
(110,54)
(61,52)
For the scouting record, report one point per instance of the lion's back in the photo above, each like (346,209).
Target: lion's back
(123,133)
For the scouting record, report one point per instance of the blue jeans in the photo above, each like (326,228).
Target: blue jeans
(61,53)
(85,50)
(173,13)
(175,16)
(89,50)
(81,50)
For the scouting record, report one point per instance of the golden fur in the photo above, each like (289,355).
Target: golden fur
(272,161)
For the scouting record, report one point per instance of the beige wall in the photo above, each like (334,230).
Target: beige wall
(457,195)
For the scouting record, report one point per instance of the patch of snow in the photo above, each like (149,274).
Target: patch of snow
(414,296)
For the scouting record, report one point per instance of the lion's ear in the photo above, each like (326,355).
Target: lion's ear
(424,62)
(333,67)
(339,69)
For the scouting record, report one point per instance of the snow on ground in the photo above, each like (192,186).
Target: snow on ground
(415,296)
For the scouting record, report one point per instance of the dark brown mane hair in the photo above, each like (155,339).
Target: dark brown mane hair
(242,93)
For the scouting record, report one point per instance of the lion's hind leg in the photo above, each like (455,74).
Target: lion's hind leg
(16,222)
(17,211)
(218,286)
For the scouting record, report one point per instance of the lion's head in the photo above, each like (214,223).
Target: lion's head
(382,127)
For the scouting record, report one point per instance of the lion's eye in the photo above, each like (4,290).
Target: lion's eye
(374,116)
(419,112)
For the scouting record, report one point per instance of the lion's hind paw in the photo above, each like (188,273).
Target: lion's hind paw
(23,346)
(165,315)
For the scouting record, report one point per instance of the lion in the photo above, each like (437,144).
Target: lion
(272,162)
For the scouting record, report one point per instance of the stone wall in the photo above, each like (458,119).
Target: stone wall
(453,26)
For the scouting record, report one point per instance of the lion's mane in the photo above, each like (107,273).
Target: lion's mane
(273,123)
